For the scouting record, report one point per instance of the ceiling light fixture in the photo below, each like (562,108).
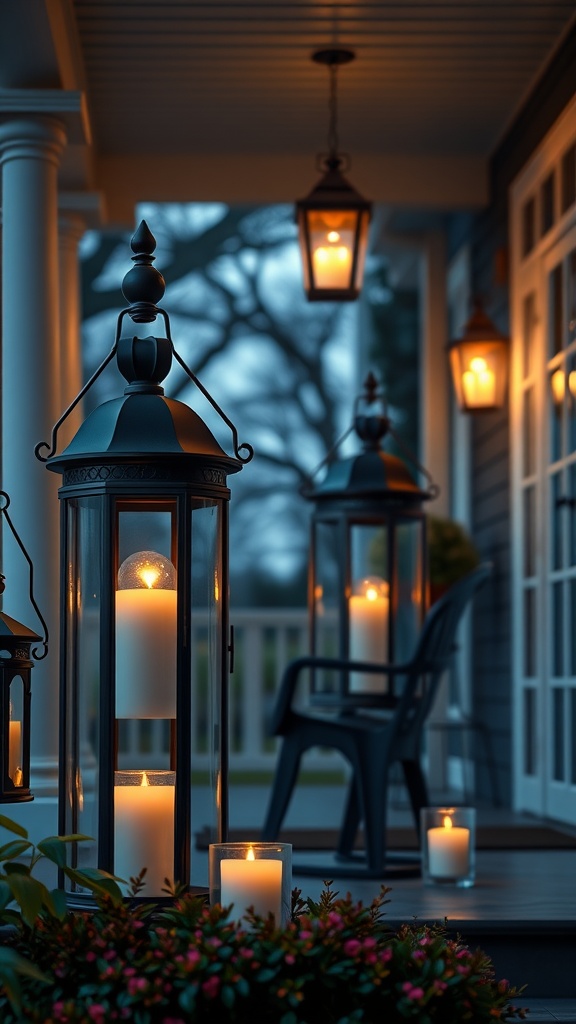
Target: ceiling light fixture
(333,219)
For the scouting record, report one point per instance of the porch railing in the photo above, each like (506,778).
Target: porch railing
(265,641)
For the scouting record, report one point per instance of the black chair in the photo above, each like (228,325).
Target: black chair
(385,729)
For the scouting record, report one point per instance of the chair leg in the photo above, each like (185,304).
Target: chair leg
(351,820)
(374,791)
(285,778)
(417,789)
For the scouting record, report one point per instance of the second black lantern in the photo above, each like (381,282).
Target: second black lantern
(368,577)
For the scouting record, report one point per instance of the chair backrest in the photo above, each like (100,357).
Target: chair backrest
(434,650)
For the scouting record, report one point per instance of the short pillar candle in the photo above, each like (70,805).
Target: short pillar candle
(448,837)
(256,875)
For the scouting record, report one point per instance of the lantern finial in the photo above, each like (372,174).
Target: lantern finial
(143,285)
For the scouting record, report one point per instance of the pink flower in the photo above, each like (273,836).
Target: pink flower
(211,987)
(97,1013)
(412,991)
(136,985)
(192,957)
(90,957)
(290,958)
(440,986)
(352,946)
(246,953)
(386,955)
(335,919)
(418,954)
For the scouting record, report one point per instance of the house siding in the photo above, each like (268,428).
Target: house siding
(487,237)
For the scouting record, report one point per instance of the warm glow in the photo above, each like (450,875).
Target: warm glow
(250,854)
(478,365)
(447,821)
(333,236)
(329,255)
(149,575)
(372,593)
(479,383)
(144,780)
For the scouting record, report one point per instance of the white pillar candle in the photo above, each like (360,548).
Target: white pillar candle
(146,653)
(252,882)
(448,850)
(14,749)
(479,383)
(369,615)
(332,265)
(144,831)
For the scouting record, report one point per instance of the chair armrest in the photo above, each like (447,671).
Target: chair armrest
(292,671)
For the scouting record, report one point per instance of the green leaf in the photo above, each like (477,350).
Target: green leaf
(11,959)
(29,894)
(12,826)
(54,850)
(14,849)
(99,882)
(13,868)
(57,904)
(5,895)
(228,996)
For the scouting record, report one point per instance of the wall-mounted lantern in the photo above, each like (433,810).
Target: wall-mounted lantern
(144,593)
(479,364)
(368,578)
(333,219)
(18,648)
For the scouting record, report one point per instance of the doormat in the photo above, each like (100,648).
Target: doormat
(494,837)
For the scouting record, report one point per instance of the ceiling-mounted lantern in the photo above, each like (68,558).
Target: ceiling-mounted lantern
(479,364)
(333,220)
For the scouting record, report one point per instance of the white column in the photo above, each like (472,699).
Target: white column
(30,152)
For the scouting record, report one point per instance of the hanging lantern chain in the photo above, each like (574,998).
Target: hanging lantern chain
(333,142)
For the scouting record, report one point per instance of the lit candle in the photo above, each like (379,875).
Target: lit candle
(15,752)
(146,638)
(332,263)
(252,882)
(369,613)
(144,829)
(448,850)
(479,383)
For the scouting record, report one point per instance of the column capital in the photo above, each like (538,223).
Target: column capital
(38,137)
(65,106)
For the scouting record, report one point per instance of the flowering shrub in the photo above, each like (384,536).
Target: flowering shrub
(336,962)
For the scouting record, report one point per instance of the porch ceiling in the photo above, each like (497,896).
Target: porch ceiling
(219,99)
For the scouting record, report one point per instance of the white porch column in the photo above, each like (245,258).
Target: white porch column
(34,127)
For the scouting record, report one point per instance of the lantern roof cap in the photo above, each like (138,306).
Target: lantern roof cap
(17,631)
(372,473)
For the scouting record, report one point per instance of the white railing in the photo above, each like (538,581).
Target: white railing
(265,640)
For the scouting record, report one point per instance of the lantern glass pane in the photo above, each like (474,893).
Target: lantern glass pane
(332,237)
(409,608)
(82,681)
(326,585)
(206,625)
(15,732)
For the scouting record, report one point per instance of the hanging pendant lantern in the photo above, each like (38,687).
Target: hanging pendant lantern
(368,572)
(333,220)
(479,364)
(144,591)
(18,650)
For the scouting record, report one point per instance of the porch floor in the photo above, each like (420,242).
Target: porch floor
(521,911)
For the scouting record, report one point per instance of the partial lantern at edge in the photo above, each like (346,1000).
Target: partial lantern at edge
(479,365)
(368,578)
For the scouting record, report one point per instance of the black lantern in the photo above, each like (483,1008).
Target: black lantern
(368,577)
(333,219)
(479,364)
(145,634)
(16,665)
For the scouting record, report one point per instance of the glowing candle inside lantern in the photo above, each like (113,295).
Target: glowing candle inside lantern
(448,850)
(369,610)
(479,383)
(146,637)
(332,262)
(252,882)
(15,752)
(144,827)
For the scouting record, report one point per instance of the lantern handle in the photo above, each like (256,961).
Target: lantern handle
(433,487)
(238,448)
(5,498)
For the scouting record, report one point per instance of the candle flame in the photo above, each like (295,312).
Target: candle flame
(371,593)
(478,365)
(150,575)
(447,821)
(333,236)
(144,780)
(250,854)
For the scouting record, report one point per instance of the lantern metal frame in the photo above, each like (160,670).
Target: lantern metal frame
(373,490)
(19,650)
(481,342)
(145,453)
(334,196)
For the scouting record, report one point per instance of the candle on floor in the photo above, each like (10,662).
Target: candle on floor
(448,850)
(144,827)
(146,637)
(369,610)
(252,882)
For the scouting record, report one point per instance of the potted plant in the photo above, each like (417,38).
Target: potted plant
(451,554)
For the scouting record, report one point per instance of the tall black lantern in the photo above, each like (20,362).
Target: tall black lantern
(144,591)
(19,645)
(368,577)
